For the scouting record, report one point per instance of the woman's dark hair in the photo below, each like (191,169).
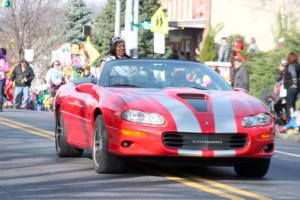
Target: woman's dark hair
(2,53)
(54,62)
(3,50)
(113,49)
(292,58)
(24,61)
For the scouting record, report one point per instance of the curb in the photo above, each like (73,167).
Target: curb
(287,137)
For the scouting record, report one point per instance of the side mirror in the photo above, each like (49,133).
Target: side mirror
(241,90)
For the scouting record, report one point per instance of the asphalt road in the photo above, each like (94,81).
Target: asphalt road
(30,169)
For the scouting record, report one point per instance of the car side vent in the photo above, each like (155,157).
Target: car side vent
(238,141)
(192,96)
(173,140)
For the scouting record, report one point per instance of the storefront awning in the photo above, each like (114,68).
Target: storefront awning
(194,23)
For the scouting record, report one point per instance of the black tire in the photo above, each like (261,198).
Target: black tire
(63,149)
(103,161)
(257,168)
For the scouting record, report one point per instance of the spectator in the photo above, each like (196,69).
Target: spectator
(23,75)
(224,50)
(241,75)
(252,46)
(238,47)
(174,54)
(280,42)
(279,96)
(291,82)
(4,68)
(87,73)
(54,77)
(217,70)
(182,56)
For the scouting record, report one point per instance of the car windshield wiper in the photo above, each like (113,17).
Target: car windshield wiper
(124,85)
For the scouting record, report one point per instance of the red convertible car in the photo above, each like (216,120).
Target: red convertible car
(163,110)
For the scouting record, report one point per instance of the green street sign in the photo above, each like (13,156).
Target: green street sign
(144,25)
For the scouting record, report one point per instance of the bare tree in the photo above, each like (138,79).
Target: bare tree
(30,24)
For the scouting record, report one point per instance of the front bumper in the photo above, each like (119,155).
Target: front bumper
(152,145)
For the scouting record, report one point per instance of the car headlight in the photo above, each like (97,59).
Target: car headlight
(257,120)
(143,117)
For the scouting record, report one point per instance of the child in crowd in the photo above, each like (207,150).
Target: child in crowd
(293,126)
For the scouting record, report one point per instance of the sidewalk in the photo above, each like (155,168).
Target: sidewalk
(288,137)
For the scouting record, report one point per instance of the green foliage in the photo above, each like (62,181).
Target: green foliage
(209,51)
(77,15)
(285,24)
(263,70)
(263,67)
(104,27)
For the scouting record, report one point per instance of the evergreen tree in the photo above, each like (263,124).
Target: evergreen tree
(105,22)
(146,47)
(104,26)
(263,66)
(209,51)
(77,15)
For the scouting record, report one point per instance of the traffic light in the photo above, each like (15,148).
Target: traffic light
(5,3)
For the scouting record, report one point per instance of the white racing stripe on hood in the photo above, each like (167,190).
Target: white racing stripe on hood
(184,118)
(224,116)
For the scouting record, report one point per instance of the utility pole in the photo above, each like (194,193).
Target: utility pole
(128,27)
(131,33)
(117,18)
(135,29)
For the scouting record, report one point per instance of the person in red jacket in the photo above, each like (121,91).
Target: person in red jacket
(238,47)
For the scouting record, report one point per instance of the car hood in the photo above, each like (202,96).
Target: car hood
(198,102)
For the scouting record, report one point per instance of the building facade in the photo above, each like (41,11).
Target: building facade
(189,21)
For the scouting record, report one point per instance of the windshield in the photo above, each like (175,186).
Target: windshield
(161,74)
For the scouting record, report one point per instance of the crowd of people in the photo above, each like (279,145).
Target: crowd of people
(286,89)
(17,89)
(239,77)
(285,92)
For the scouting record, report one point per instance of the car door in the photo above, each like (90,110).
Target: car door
(82,109)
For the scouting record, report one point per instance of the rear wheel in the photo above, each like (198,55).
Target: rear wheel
(104,162)
(63,149)
(257,168)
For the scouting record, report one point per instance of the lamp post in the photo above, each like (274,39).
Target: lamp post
(117,18)
(135,29)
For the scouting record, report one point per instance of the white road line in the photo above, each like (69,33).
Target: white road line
(288,154)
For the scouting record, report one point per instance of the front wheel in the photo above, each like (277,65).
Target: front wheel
(63,149)
(257,168)
(104,162)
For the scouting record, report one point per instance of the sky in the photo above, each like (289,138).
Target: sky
(95,5)
(95,1)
